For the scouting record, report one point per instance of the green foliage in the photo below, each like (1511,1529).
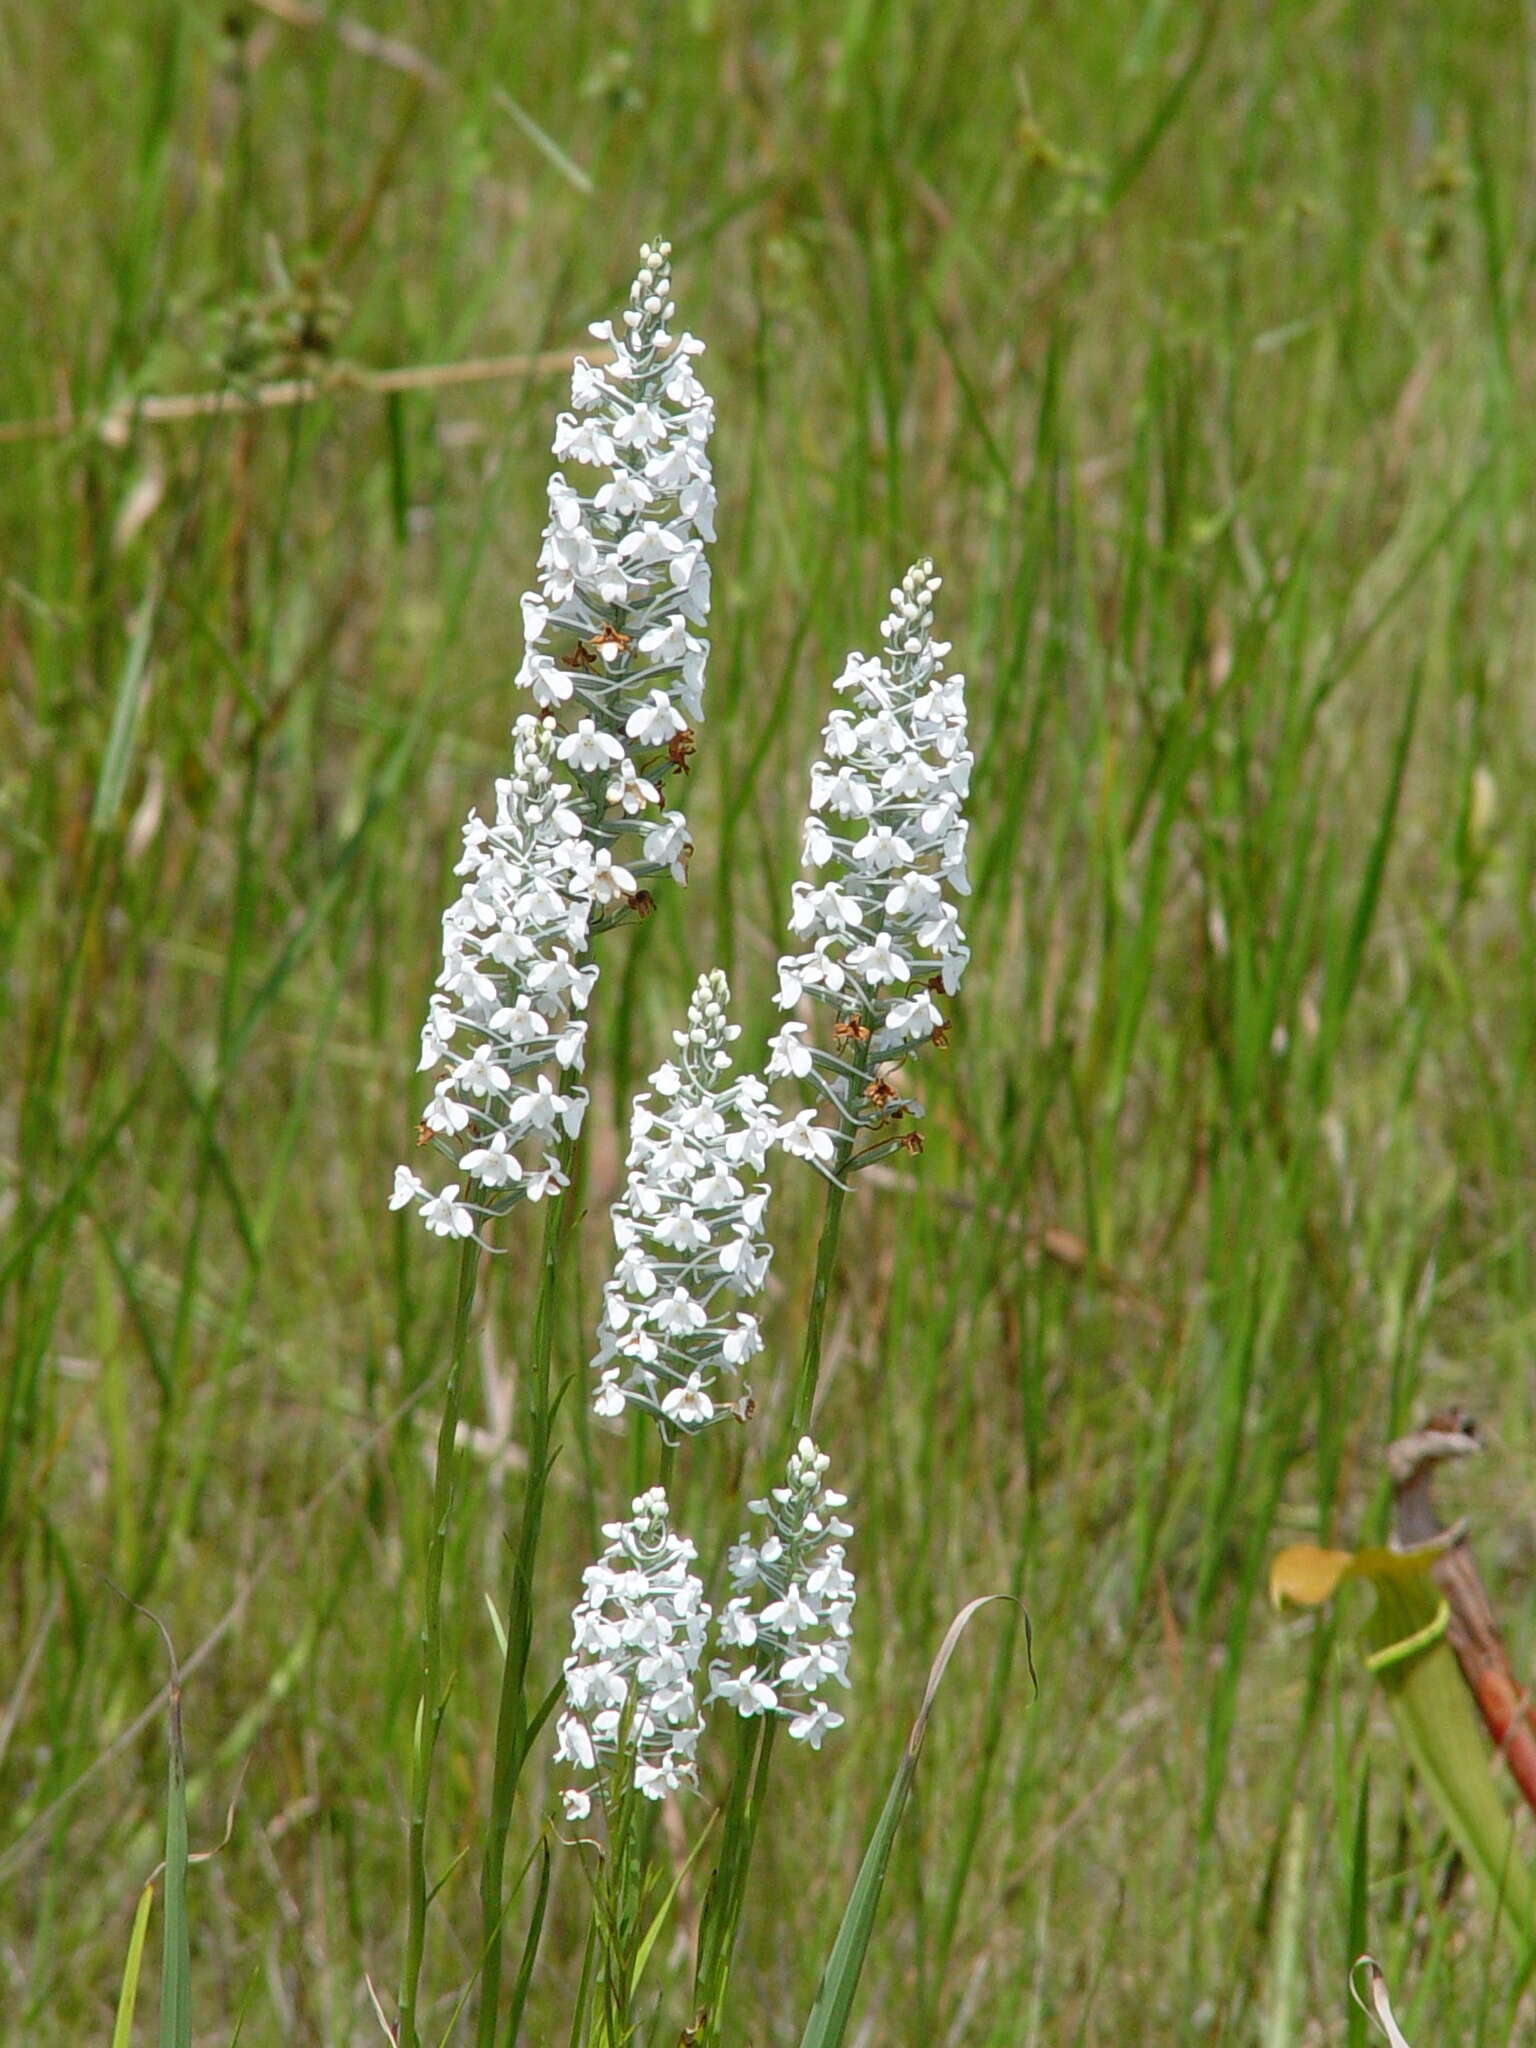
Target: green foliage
(133,1963)
(1194,346)
(833,2004)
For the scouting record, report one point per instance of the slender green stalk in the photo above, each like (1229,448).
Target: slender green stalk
(430,1707)
(821,1287)
(618,1900)
(826,1264)
(743,1808)
(512,1715)
(717,1937)
(717,1923)
(176,1971)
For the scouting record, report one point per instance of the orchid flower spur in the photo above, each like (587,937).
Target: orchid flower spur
(505,1031)
(688,1230)
(631,1701)
(614,631)
(791,1617)
(885,839)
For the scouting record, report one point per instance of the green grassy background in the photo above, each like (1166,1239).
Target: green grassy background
(1194,344)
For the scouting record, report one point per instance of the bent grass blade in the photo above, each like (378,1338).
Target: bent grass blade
(833,2003)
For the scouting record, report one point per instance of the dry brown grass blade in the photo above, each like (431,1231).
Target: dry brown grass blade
(1380,2007)
(118,421)
(356,35)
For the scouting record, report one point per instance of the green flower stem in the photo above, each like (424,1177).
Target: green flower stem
(717,1939)
(665,1466)
(429,1708)
(513,1734)
(744,1806)
(826,1262)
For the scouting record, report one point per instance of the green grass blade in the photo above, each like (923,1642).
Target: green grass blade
(1164,114)
(1344,972)
(530,1953)
(125,716)
(1283,2017)
(840,1979)
(1359,1881)
(127,1998)
(544,142)
(176,1969)
(659,1917)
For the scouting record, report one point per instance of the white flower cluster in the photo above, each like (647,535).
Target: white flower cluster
(688,1230)
(505,1027)
(631,1678)
(886,838)
(614,632)
(793,1605)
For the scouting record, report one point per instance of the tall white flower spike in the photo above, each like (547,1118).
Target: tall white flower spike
(632,1711)
(885,839)
(688,1231)
(790,1620)
(505,1032)
(614,633)
(615,661)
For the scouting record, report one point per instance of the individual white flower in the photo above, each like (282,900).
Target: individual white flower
(551,685)
(614,634)
(688,1405)
(628,492)
(802,1137)
(689,1234)
(589,751)
(604,880)
(817,1720)
(653,723)
(495,1165)
(541,1111)
(886,844)
(879,963)
(510,998)
(632,1711)
(630,790)
(445,1115)
(749,1694)
(788,1054)
(792,1606)
(446,1216)
(667,846)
